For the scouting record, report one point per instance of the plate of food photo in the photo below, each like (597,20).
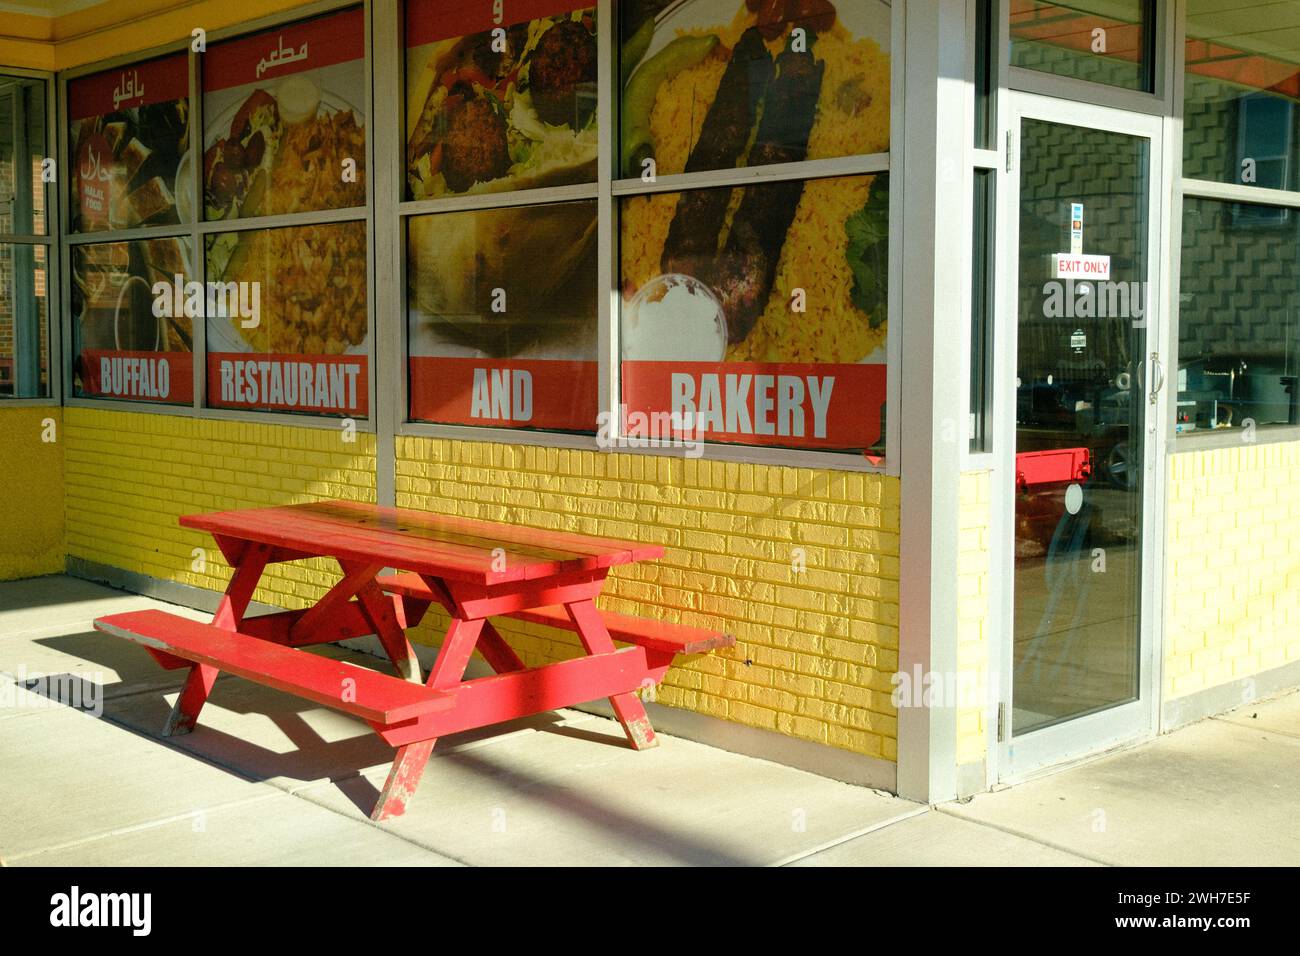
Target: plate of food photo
(487,116)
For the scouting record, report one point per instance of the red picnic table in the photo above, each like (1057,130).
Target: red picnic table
(474,570)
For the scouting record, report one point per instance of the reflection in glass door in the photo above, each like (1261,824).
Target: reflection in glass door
(1081,422)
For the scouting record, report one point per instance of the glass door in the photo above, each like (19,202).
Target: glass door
(1087,378)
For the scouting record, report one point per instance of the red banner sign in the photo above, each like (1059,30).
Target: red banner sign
(140,84)
(139,376)
(324,384)
(428,21)
(282,51)
(796,406)
(551,394)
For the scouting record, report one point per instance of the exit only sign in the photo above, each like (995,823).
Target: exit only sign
(1068,265)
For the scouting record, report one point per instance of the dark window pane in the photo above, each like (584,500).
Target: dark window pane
(1239,316)
(24,321)
(1101,41)
(1240,123)
(22,154)
(981,330)
(986,74)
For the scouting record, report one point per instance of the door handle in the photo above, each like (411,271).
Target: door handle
(1157,377)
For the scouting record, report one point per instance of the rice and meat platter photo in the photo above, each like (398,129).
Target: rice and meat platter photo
(312,285)
(485,115)
(779,82)
(282,153)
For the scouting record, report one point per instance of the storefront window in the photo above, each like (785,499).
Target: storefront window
(1239,317)
(1101,41)
(755,314)
(698,78)
(24,244)
(284,119)
(499,97)
(288,320)
(23,171)
(132,330)
(24,321)
(128,143)
(759,315)
(502,317)
(1240,122)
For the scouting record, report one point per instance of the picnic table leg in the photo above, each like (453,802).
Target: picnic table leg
(408,765)
(379,611)
(627,706)
(230,612)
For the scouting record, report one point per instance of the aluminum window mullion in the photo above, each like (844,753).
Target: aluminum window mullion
(743,176)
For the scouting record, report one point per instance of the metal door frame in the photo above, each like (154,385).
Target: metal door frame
(1079,737)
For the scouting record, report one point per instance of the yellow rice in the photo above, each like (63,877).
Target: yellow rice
(814,255)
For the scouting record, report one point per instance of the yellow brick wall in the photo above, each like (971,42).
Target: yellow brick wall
(973,608)
(815,647)
(31,474)
(130,475)
(1233,565)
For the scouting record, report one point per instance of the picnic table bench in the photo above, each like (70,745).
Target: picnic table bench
(473,570)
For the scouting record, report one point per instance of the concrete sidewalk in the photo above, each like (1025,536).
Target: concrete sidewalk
(271,779)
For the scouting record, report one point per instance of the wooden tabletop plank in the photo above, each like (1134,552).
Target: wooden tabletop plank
(453,547)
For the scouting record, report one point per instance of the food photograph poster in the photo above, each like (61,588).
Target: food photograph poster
(502,302)
(757,314)
(284,133)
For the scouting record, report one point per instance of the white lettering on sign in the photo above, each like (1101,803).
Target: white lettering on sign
(287,384)
(127,377)
(1070,266)
(780,405)
(502,394)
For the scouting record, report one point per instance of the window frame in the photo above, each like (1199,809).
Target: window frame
(197,231)
(1151,101)
(50,241)
(1187,188)
(607,191)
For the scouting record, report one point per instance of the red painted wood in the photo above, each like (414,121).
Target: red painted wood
(194,694)
(627,706)
(335,598)
(348,622)
(475,601)
(658,635)
(379,611)
(501,657)
(403,779)
(243,582)
(416,745)
(457,548)
(503,697)
(375,697)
